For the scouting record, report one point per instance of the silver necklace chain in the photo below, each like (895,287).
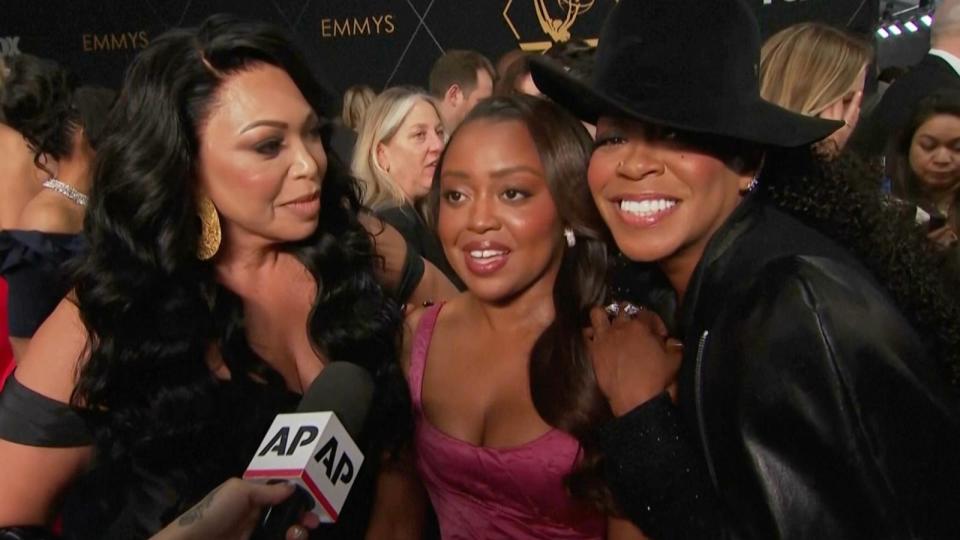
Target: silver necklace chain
(66,190)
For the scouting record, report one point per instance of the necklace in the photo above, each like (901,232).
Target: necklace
(66,190)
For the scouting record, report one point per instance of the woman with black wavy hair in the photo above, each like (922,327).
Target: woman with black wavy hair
(228,262)
(61,124)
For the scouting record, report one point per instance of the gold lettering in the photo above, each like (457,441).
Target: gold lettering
(113,42)
(361,29)
(357,26)
(118,42)
(101,43)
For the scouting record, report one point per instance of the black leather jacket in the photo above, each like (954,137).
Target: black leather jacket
(808,406)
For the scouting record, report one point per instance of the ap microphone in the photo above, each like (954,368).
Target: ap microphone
(315,450)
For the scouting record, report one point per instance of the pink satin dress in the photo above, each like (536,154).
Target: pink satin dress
(491,493)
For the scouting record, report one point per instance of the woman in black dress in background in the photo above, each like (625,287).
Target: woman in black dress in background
(228,263)
(61,123)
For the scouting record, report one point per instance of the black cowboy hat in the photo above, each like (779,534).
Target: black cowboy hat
(690,65)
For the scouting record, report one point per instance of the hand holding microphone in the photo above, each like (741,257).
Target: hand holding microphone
(232,511)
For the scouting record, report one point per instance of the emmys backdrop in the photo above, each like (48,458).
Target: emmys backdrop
(376,42)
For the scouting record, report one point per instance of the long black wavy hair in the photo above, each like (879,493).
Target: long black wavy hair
(153,311)
(562,382)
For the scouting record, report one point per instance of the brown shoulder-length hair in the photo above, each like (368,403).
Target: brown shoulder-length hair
(562,382)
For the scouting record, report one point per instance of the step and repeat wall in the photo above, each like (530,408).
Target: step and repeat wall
(375,42)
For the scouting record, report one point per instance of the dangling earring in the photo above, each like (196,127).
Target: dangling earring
(755,181)
(210,235)
(571,238)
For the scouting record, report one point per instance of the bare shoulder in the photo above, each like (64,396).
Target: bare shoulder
(46,212)
(56,353)
(413,318)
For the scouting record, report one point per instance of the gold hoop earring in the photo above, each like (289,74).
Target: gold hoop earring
(210,234)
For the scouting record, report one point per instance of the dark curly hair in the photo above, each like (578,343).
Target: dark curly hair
(562,382)
(153,311)
(841,200)
(45,104)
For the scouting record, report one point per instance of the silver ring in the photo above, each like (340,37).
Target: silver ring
(631,310)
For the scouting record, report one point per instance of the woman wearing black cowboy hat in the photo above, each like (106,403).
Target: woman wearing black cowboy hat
(819,344)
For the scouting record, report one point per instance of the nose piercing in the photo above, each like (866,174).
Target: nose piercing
(619,164)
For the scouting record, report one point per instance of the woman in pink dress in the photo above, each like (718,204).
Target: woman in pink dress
(500,382)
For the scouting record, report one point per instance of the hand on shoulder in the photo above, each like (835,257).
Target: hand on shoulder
(633,357)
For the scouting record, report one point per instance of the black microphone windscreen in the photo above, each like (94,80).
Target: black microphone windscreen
(344,388)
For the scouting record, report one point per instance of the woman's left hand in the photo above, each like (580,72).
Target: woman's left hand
(231,512)
(633,359)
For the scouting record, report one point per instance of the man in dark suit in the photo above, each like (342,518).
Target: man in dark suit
(938,70)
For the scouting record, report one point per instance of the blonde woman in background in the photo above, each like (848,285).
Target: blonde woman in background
(356,101)
(816,70)
(397,150)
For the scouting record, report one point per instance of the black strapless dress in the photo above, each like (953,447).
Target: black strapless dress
(33,263)
(134,500)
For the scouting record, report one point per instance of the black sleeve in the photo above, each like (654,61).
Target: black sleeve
(413,266)
(34,292)
(838,397)
(33,264)
(841,428)
(33,419)
(411,275)
(657,476)
(405,224)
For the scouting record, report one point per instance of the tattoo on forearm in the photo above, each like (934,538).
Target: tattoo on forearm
(194,514)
